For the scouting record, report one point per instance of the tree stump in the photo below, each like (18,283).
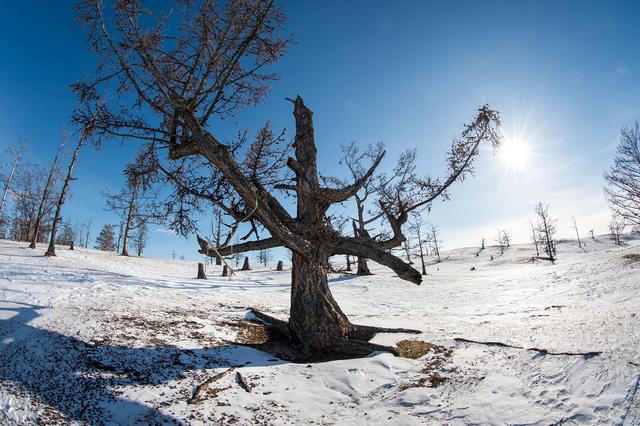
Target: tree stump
(225,271)
(280,266)
(245,265)
(201,274)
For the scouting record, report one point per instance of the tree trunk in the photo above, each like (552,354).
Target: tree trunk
(7,183)
(348,263)
(245,265)
(315,318)
(363,267)
(51,250)
(280,266)
(201,274)
(225,271)
(127,225)
(71,246)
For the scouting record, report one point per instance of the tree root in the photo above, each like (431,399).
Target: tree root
(366,332)
(278,324)
(355,344)
(586,355)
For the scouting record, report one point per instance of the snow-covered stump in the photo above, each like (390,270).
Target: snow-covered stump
(201,274)
(280,266)
(245,265)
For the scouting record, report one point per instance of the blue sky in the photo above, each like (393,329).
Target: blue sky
(564,75)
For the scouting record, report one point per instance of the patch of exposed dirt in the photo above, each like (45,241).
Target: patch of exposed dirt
(415,349)
(634,257)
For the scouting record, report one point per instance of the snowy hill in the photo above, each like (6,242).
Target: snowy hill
(93,337)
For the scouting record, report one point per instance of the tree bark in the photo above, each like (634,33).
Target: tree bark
(280,266)
(315,319)
(225,271)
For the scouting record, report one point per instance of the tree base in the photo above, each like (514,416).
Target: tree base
(280,342)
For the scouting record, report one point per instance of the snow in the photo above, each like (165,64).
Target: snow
(92,337)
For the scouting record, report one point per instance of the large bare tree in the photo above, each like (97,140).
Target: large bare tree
(181,72)
(623,179)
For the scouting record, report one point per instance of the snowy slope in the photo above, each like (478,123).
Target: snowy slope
(94,337)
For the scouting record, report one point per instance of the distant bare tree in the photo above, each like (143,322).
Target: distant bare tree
(623,179)
(135,204)
(54,169)
(546,230)
(500,240)
(616,229)
(15,154)
(28,187)
(264,256)
(435,242)
(141,238)
(534,238)
(575,226)
(51,250)
(416,226)
(216,229)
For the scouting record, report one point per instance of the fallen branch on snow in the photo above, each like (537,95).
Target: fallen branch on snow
(542,351)
(196,397)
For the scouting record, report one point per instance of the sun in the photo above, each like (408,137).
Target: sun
(515,152)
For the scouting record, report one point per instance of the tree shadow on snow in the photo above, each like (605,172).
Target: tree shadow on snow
(86,382)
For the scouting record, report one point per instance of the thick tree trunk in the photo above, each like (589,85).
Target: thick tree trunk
(225,271)
(280,266)
(245,265)
(201,274)
(315,319)
(363,267)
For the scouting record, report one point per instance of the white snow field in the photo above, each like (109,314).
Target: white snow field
(92,337)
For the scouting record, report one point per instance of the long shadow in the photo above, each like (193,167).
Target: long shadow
(81,380)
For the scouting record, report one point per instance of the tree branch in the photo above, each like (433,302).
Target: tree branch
(370,250)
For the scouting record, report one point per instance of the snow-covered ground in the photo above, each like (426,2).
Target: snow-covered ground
(94,337)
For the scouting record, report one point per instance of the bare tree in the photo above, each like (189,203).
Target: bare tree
(575,226)
(216,228)
(141,238)
(500,240)
(264,256)
(51,250)
(135,204)
(27,192)
(534,238)
(176,80)
(616,229)
(546,230)
(417,225)
(87,232)
(50,183)
(16,153)
(435,242)
(623,179)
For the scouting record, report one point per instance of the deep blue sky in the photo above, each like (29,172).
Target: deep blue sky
(564,75)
